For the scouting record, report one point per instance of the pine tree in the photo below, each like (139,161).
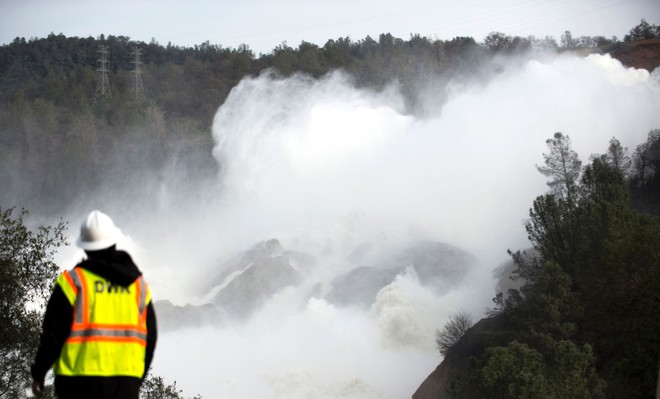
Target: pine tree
(562,166)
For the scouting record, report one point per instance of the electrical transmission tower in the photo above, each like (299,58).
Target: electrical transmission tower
(138,93)
(103,83)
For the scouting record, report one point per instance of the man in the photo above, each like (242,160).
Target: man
(99,330)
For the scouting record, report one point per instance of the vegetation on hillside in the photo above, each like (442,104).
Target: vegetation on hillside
(584,322)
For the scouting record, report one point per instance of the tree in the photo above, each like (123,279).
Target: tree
(284,59)
(545,308)
(619,280)
(644,176)
(572,373)
(567,40)
(309,59)
(27,272)
(646,158)
(338,53)
(603,184)
(514,371)
(453,331)
(643,31)
(618,157)
(563,371)
(550,229)
(607,279)
(562,166)
(497,41)
(547,43)
(154,387)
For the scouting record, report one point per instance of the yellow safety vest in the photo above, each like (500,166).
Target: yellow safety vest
(109,331)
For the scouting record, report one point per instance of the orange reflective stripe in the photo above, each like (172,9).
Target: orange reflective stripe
(69,280)
(79,305)
(109,327)
(111,333)
(141,298)
(84,295)
(114,332)
(105,338)
(138,291)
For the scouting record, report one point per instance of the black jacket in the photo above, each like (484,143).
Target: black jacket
(118,268)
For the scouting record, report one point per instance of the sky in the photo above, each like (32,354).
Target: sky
(263,25)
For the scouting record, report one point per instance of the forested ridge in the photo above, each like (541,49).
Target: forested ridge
(53,120)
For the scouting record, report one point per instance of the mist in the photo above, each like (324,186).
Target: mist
(325,167)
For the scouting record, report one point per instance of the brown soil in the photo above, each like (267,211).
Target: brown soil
(643,54)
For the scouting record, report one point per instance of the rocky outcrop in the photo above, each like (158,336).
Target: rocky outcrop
(438,266)
(360,286)
(245,283)
(250,279)
(252,287)
(259,251)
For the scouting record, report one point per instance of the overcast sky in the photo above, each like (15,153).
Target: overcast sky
(262,25)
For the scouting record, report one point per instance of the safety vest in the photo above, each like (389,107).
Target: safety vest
(109,331)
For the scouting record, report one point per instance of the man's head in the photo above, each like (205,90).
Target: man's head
(97,232)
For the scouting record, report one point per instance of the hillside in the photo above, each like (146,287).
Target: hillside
(582,321)
(51,114)
(641,54)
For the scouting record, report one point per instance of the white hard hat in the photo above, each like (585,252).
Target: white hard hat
(97,232)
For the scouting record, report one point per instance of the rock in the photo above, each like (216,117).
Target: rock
(439,267)
(252,288)
(261,250)
(249,280)
(360,286)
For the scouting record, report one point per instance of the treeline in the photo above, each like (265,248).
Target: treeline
(584,321)
(193,82)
